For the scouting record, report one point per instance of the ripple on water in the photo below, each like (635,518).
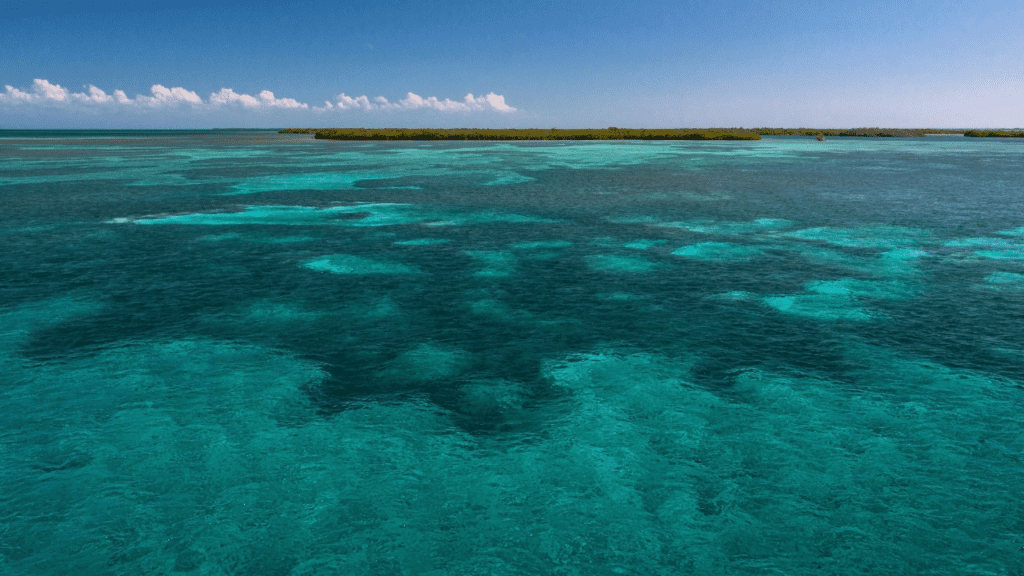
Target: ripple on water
(426,362)
(864,237)
(1005,281)
(541,245)
(1015,253)
(423,242)
(510,178)
(827,307)
(643,244)
(316,181)
(889,290)
(357,265)
(731,228)
(720,251)
(621,264)
(493,264)
(354,215)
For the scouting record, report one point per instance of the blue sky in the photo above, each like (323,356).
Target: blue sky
(527,63)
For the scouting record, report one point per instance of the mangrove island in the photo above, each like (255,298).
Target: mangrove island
(522,134)
(614,133)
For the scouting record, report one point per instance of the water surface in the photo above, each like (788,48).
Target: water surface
(254,353)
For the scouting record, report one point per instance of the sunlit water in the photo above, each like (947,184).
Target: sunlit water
(255,353)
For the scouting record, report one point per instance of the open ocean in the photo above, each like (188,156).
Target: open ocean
(256,353)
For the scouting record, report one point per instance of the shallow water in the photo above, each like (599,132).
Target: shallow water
(257,353)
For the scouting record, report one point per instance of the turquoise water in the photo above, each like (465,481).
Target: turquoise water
(255,353)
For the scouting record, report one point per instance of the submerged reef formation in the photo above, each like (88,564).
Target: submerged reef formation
(526,134)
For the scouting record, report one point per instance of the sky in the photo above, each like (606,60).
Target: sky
(528,63)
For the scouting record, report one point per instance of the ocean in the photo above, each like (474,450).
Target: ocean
(243,352)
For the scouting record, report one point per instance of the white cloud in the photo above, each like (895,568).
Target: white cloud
(497,101)
(268,97)
(229,96)
(266,100)
(46,93)
(168,97)
(347,102)
(14,95)
(95,95)
(41,91)
(414,101)
(49,91)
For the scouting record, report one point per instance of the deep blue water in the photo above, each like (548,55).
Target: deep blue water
(254,353)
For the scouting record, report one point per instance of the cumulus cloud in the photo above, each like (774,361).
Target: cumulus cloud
(95,95)
(347,102)
(41,91)
(46,93)
(265,100)
(497,101)
(168,97)
(412,101)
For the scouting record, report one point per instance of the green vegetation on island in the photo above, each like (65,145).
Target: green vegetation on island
(525,134)
(629,133)
(995,133)
(859,132)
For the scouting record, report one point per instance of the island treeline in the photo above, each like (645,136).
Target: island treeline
(857,132)
(628,133)
(995,133)
(525,134)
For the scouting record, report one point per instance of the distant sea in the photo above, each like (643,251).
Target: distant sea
(255,353)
